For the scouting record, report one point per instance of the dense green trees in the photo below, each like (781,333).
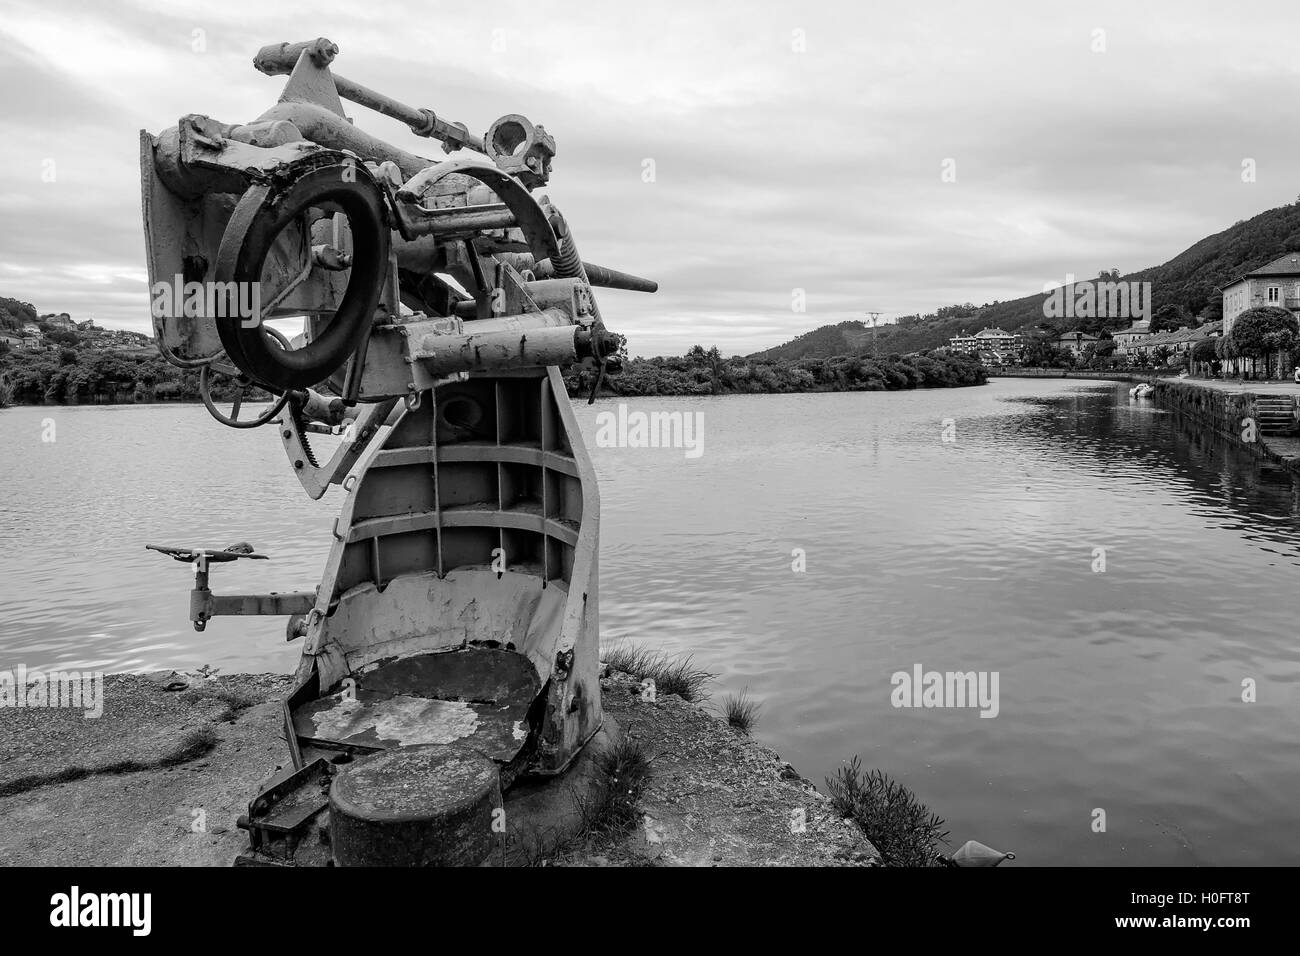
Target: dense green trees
(15,314)
(1041,352)
(1261,333)
(1206,350)
(1168,318)
(705,372)
(90,376)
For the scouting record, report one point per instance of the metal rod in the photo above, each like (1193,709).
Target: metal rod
(279,59)
(466,219)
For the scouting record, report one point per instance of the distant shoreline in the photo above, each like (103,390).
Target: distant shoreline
(581,394)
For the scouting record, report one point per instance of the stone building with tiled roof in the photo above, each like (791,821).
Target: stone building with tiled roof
(1276,284)
(1075,341)
(1178,342)
(1128,340)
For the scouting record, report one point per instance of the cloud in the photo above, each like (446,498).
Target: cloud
(777,167)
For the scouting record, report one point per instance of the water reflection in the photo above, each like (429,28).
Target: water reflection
(1119,689)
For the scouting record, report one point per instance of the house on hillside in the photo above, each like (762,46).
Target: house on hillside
(1128,340)
(1075,341)
(1276,284)
(1002,346)
(1179,342)
(13,341)
(59,320)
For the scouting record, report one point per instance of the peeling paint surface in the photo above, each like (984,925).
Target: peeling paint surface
(476,697)
(387,722)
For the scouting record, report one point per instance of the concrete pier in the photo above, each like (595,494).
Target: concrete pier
(102,792)
(1235,411)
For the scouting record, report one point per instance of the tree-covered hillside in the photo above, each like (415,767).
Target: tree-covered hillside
(15,314)
(1189,282)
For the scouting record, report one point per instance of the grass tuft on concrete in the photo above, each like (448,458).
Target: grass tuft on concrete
(624,776)
(671,674)
(903,829)
(235,700)
(194,745)
(740,711)
(610,810)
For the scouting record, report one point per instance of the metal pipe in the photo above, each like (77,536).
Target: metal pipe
(497,351)
(279,59)
(458,219)
(328,129)
(422,121)
(603,277)
(599,276)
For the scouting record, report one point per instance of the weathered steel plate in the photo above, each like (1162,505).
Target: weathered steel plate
(477,674)
(476,697)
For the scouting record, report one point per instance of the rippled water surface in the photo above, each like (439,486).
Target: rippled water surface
(1119,690)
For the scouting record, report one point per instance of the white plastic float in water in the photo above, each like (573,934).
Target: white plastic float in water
(974,853)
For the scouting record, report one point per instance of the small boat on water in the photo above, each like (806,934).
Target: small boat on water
(1141,391)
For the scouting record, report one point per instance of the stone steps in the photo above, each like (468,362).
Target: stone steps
(1275,416)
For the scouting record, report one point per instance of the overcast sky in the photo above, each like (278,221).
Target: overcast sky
(796,145)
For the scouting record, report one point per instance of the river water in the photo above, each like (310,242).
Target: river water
(1124,576)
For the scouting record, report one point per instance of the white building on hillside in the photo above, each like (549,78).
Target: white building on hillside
(1004,346)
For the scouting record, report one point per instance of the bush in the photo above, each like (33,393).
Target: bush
(1206,350)
(902,828)
(62,337)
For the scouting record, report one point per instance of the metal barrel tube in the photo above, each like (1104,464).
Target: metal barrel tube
(500,350)
(423,122)
(603,277)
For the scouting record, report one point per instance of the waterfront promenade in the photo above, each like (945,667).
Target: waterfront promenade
(1234,400)
(1237,400)
(1237,387)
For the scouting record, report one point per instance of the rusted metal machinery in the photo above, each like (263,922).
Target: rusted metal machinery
(451,647)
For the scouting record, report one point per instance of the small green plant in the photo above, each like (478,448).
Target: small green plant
(902,828)
(234,699)
(740,711)
(672,675)
(624,774)
(608,809)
